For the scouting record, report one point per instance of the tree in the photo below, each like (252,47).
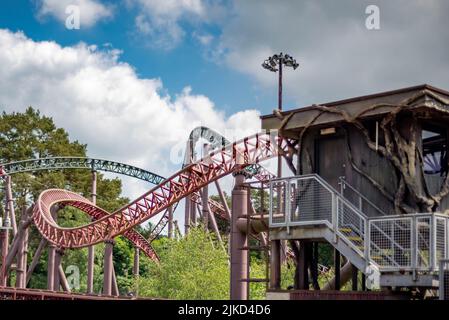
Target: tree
(194,267)
(30,135)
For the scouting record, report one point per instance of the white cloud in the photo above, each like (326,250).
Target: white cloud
(161,20)
(91,11)
(338,56)
(102,102)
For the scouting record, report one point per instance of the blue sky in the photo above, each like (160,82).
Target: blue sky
(187,64)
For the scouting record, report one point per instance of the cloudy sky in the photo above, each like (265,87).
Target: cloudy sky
(138,75)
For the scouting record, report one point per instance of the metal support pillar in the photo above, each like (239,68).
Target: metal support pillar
(51,267)
(337,261)
(10,205)
(275,264)
(302,266)
(355,278)
(108,265)
(239,240)
(5,246)
(114,286)
(223,200)
(52,256)
(170,222)
(91,249)
(59,252)
(204,202)
(188,206)
(21,262)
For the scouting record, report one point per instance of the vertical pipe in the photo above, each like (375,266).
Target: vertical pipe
(238,241)
(10,205)
(91,249)
(337,258)
(51,255)
(204,201)
(170,222)
(108,265)
(21,261)
(51,266)
(59,252)
(302,265)
(187,215)
(5,246)
(355,276)
(275,261)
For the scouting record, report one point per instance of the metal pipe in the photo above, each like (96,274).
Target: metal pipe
(204,201)
(187,215)
(91,249)
(51,255)
(170,222)
(275,264)
(10,205)
(59,252)
(108,267)
(21,253)
(213,222)
(51,267)
(238,241)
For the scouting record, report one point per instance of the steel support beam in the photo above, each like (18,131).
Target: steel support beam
(275,264)
(223,200)
(108,267)
(91,249)
(337,262)
(170,222)
(10,205)
(59,252)
(239,240)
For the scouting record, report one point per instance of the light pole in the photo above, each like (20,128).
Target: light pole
(274,64)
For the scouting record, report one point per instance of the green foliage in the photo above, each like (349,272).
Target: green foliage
(192,268)
(30,135)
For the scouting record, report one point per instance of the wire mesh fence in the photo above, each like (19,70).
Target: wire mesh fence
(392,243)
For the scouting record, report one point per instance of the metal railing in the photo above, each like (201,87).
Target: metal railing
(414,242)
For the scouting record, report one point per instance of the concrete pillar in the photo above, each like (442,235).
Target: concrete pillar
(170,222)
(91,249)
(238,241)
(275,264)
(108,265)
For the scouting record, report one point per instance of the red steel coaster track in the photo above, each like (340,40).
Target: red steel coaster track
(232,158)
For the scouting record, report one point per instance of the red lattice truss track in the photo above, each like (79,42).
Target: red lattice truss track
(192,178)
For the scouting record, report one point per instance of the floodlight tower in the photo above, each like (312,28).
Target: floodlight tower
(274,64)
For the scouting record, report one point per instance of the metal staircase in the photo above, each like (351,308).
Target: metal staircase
(391,250)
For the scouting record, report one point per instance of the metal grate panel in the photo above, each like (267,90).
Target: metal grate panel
(310,201)
(391,242)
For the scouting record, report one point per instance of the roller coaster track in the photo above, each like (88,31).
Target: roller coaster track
(229,159)
(58,163)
